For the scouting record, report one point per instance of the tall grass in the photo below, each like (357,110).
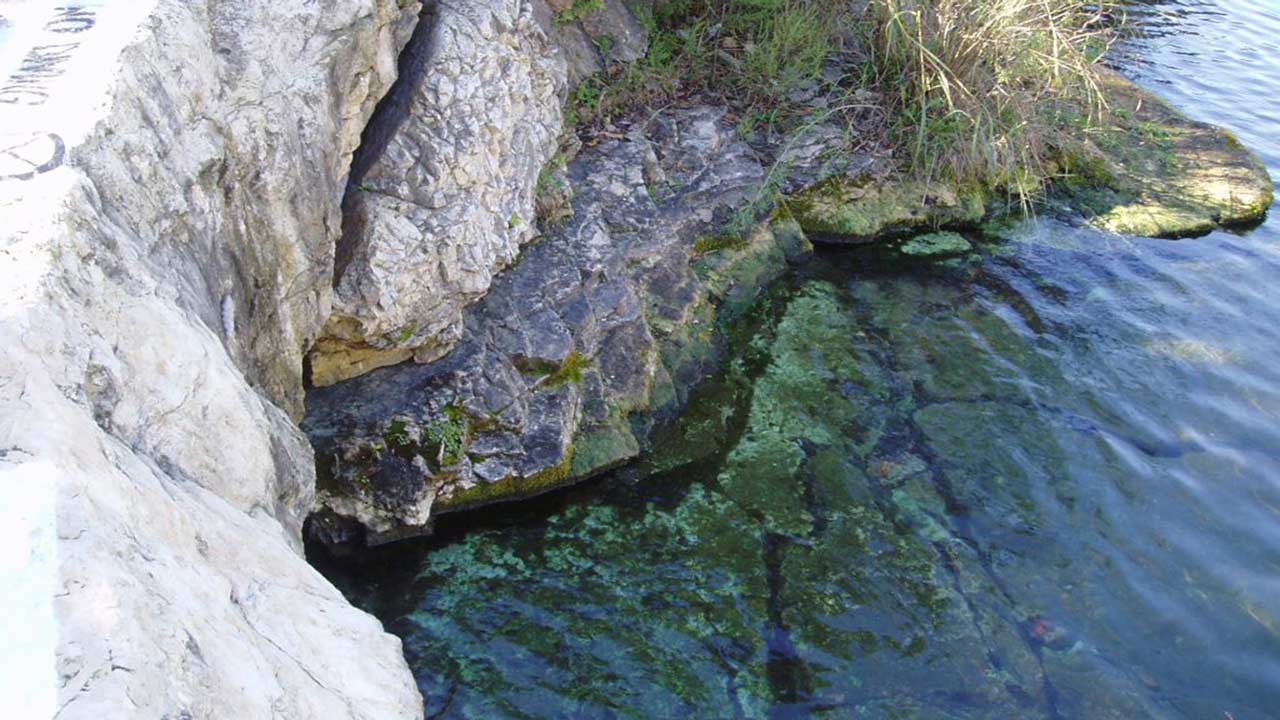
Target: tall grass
(988,92)
(995,92)
(749,53)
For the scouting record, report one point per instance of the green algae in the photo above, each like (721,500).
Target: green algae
(845,210)
(936,244)
(1157,173)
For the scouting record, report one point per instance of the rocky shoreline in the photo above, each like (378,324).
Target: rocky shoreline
(198,196)
(607,321)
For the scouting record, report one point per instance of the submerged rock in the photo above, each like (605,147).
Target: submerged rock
(935,244)
(776,575)
(611,314)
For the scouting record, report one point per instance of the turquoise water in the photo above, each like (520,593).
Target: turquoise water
(1040,481)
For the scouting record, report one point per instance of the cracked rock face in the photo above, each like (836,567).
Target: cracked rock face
(170,188)
(606,320)
(442,195)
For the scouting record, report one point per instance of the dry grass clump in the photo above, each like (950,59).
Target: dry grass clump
(996,92)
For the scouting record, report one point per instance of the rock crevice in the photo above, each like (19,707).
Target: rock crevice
(441,195)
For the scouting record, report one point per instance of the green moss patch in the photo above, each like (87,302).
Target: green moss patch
(841,210)
(936,244)
(713,243)
(601,448)
(1157,173)
(512,488)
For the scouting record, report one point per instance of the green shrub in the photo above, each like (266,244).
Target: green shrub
(750,53)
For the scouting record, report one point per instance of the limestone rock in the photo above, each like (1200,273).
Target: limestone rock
(606,319)
(604,34)
(442,194)
(616,32)
(170,183)
(1160,174)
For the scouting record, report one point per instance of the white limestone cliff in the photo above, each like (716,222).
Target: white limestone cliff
(170,180)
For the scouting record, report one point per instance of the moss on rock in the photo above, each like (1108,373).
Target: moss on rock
(515,487)
(603,447)
(842,210)
(935,245)
(1165,175)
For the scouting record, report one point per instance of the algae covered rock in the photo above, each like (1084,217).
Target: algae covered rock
(842,210)
(779,572)
(613,314)
(1158,173)
(935,245)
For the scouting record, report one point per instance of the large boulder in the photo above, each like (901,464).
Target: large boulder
(170,179)
(442,193)
(607,320)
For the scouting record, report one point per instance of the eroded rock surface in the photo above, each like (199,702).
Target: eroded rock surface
(442,193)
(611,313)
(170,185)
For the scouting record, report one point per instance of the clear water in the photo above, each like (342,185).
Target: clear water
(1040,482)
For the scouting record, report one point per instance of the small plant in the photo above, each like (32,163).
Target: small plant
(603,43)
(578,10)
(569,370)
(398,436)
(448,435)
(787,48)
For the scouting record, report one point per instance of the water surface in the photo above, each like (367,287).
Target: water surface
(1039,481)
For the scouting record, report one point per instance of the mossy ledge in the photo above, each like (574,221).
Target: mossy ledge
(512,488)
(1158,173)
(853,211)
(1146,170)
